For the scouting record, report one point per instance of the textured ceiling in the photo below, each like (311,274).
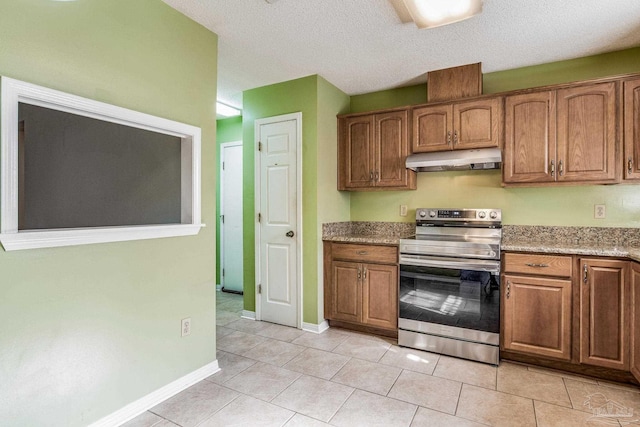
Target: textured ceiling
(361,46)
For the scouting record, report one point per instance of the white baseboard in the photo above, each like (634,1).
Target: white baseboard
(136,408)
(246,314)
(316,329)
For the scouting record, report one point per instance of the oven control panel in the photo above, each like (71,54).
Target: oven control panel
(489,215)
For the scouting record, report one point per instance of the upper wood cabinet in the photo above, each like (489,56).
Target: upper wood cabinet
(604,313)
(632,129)
(530,138)
(567,135)
(587,133)
(457,126)
(372,150)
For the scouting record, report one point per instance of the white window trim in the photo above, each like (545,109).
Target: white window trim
(15,91)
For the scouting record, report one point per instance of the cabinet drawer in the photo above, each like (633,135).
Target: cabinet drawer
(365,253)
(539,265)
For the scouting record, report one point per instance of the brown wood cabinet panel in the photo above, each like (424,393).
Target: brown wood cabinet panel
(380,295)
(587,133)
(454,83)
(365,253)
(432,128)
(530,138)
(635,320)
(538,265)
(391,149)
(537,316)
(372,151)
(356,152)
(346,292)
(632,129)
(604,309)
(477,124)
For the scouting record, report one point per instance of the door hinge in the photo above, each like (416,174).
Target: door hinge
(259,146)
(222,218)
(259,217)
(259,289)
(223,272)
(222,165)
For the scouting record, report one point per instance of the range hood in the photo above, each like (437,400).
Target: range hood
(483,158)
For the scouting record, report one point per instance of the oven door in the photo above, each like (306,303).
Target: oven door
(451,297)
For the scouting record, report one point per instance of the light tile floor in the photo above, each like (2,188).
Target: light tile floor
(278,376)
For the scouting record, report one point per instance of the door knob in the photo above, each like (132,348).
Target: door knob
(290,233)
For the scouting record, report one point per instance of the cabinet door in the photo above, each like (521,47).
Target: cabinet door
(635,320)
(587,133)
(476,124)
(391,149)
(432,128)
(380,296)
(632,129)
(537,316)
(604,314)
(356,151)
(346,292)
(530,138)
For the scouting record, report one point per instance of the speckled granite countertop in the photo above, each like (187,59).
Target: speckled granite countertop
(372,233)
(592,241)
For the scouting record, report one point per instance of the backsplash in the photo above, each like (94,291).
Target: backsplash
(607,236)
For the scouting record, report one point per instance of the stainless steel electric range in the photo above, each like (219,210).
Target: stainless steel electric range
(449,300)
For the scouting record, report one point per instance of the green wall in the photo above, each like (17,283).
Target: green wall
(566,206)
(227,130)
(319,103)
(86,330)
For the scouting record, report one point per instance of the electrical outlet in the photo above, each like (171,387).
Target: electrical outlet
(186,326)
(403,210)
(599,211)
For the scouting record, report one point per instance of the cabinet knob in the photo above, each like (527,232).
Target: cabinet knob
(585,272)
(448,137)
(553,168)
(455,137)
(560,168)
(508,289)
(630,165)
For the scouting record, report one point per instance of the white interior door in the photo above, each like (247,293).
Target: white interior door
(278,272)
(231,275)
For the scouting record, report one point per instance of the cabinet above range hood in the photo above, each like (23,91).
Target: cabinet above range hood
(483,158)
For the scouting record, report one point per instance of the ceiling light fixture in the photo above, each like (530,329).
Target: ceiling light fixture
(434,13)
(227,110)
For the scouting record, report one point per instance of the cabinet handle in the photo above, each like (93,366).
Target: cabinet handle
(362,252)
(553,168)
(585,271)
(530,264)
(364,273)
(560,168)
(448,137)
(508,289)
(377,176)
(455,137)
(359,273)
(371,176)
(630,165)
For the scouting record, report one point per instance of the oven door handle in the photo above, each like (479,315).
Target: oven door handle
(422,261)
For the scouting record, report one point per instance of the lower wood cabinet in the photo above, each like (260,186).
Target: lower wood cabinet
(604,313)
(635,320)
(537,316)
(361,284)
(537,305)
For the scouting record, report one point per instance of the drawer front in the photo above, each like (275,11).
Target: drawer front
(365,253)
(539,265)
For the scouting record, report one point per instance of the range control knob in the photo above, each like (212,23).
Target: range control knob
(422,214)
(482,214)
(493,214)
(432,214)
